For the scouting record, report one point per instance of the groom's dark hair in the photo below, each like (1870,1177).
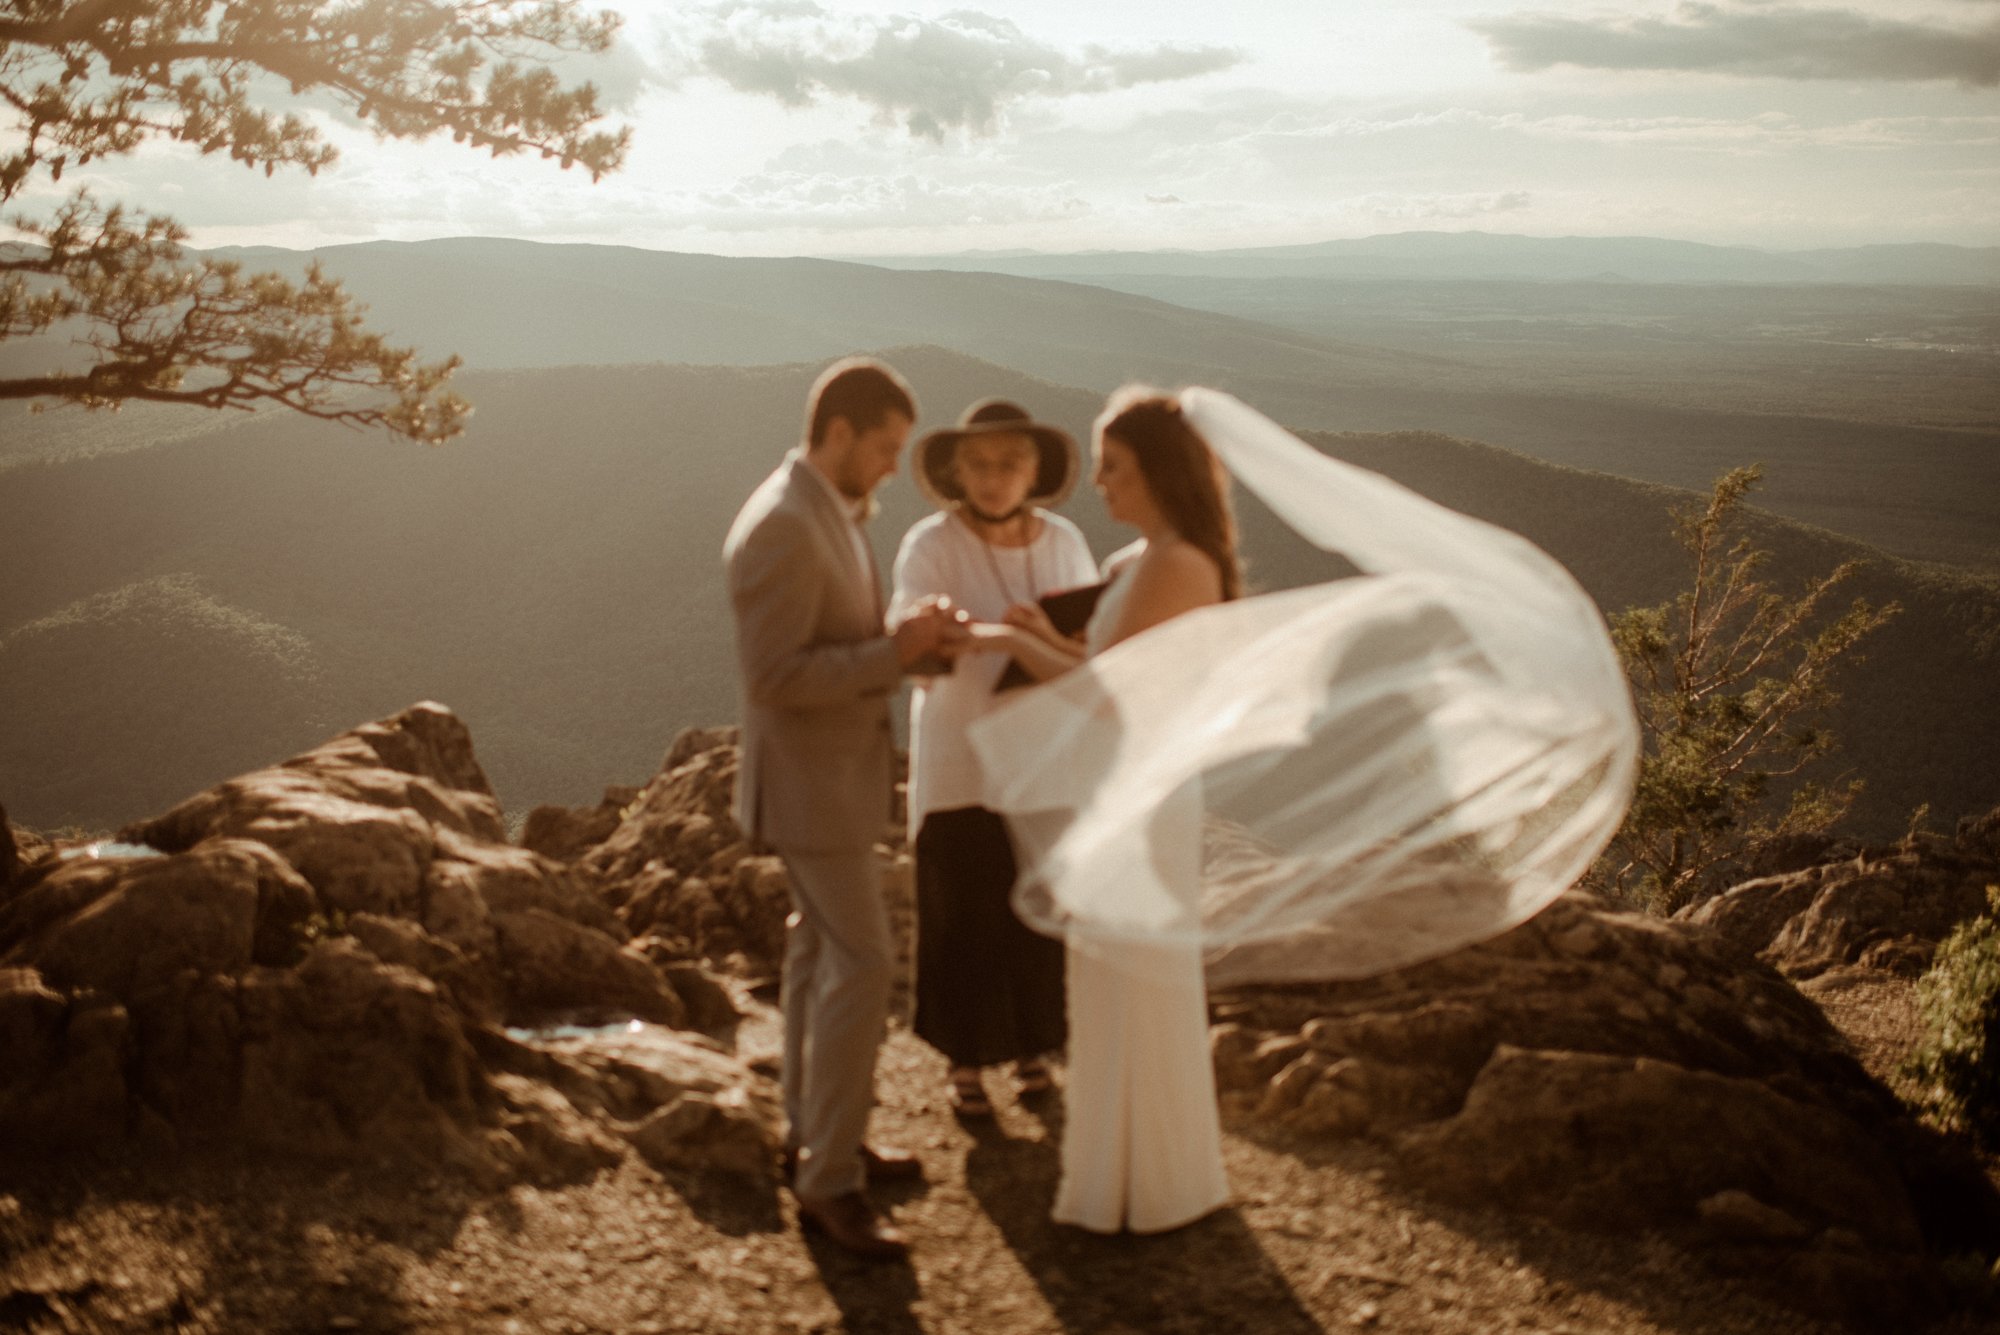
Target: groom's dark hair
(860,389)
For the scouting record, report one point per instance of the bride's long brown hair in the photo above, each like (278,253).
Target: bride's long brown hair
(1187,481)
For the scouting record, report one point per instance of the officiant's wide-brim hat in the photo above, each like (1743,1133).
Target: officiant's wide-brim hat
(1055,450)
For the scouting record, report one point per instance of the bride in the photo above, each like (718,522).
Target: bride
(1327,782)
(1142,1142)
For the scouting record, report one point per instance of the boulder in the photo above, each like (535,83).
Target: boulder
(420,761)
(710,1001)
(544,1137)
(137,923)
(472,988)
(1585,1138)
(62,1066)
(718,1131)
(20,849)
(313,960)
(1580,977)
(513,879)
(10,857)
(552,965)
(1885,906)
(567,833)
(1618,1072)
(676,865)
(1735,1213)
(358,857)
(680,1100)
(346,1050)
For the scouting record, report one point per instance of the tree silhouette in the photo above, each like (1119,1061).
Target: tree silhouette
(94,79)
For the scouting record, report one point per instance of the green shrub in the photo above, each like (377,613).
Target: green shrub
(320,927)
(1730,680)
(1957,1065)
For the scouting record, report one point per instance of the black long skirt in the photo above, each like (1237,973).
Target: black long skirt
(989,990)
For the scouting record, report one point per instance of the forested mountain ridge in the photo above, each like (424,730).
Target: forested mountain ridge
(1594,382)
(182,612)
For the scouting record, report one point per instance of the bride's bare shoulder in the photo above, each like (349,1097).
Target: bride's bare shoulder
(1182,563)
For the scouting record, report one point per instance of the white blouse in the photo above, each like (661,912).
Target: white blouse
(941,555)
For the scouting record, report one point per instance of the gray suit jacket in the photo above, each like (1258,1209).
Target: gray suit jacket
(816,671)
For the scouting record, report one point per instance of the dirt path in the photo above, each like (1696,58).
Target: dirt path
(1322,1238)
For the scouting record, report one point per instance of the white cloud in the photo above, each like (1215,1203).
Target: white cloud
(1752,40)
(955,72)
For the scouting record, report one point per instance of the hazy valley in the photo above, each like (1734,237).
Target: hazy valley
(1894,444)
(192,609)
(190,594)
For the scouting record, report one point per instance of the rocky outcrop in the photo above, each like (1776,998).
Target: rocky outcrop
(318,959)
(1607,1070)
(677,869)
(677,866)
(1883,908)
(18,848)
(1616,1072)
(567,833)
(341,957)
(10,855)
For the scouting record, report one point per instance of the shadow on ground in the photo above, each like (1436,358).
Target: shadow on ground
(1094,1282)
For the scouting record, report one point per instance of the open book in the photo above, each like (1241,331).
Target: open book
(1069,612)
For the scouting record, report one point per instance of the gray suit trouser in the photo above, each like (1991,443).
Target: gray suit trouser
(839,967)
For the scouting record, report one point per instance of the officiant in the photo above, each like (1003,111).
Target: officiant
(988,990)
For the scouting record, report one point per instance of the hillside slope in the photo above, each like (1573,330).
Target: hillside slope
(1911,489)
(1490,256)
(555,578)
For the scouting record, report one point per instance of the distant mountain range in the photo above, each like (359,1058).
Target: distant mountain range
(1681,407)
(178,611)
(191,594)
(1487,255)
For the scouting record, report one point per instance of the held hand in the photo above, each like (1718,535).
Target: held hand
(987,637)
(1030,617)
(917,635)
(954,636)
(931,633)
(929,605)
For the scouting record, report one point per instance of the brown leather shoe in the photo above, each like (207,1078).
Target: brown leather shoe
(886,1164)
(852,1222)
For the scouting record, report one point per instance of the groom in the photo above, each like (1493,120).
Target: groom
(817,673)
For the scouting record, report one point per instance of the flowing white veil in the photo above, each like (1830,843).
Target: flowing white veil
(1332,781)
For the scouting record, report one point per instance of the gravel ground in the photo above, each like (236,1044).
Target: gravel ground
(1322,1238)
(1878,1013)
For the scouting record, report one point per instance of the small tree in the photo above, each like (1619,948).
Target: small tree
(1730,679)
(1956,1066)
(94,79)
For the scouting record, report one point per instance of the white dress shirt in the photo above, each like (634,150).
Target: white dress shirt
(942,555)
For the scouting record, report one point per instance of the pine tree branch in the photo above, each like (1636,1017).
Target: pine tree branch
(85,79)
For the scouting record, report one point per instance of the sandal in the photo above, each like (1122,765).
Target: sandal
(968,1094)
(1033,1077)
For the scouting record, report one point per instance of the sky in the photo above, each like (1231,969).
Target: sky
(824,127)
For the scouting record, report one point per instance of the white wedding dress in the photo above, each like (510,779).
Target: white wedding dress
(1142,1139)
(1325,782)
